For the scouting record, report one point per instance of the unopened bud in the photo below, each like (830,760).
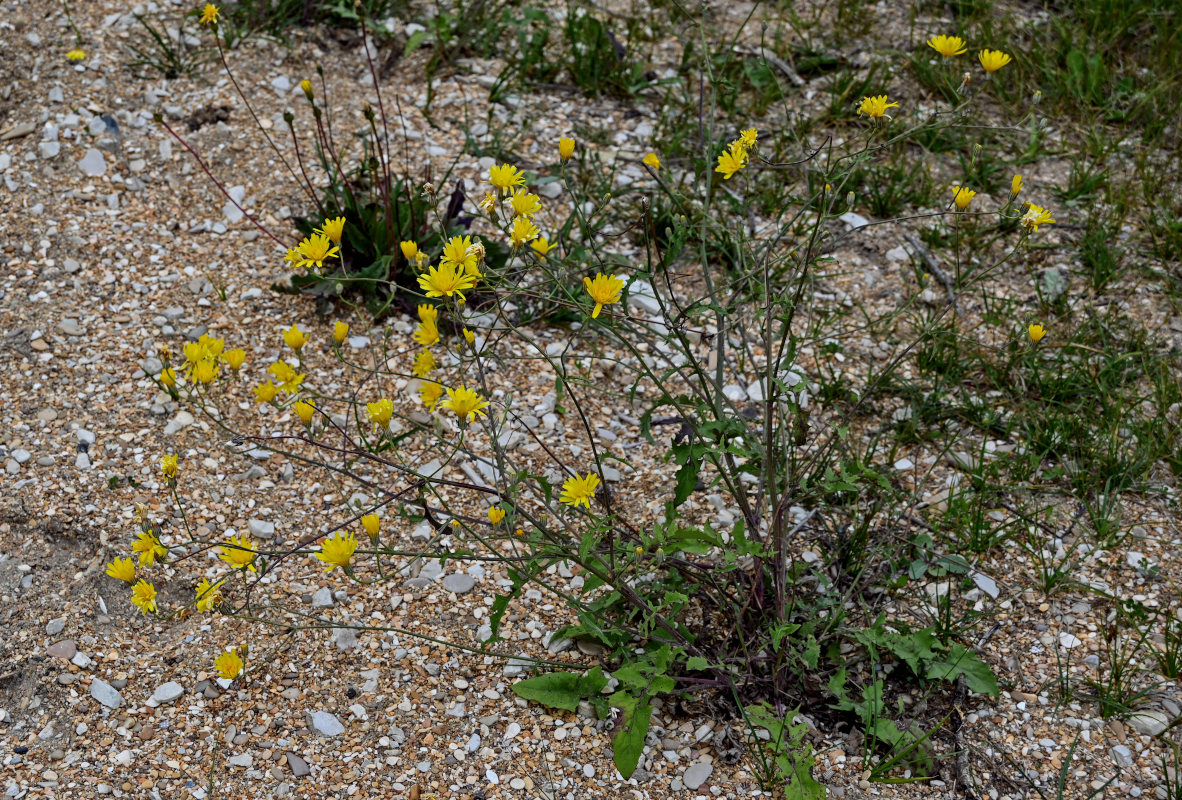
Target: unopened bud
(306,85)
(289,118)
(849,199)
(1037,97)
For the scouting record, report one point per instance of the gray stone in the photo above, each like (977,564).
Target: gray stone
(230,211)
(55,626)
(97,126)
(298,766)
(261,528)
(168,692)
(458,583)
(855,221)
(105,693)
(642,298)
(245,760)
(986,584)
(1149,723)
(431,570)
(327,724)
(1122,755)
(82,461)
(93,163)
(696,775)
(20,455)
(282,84)
(345,638)
(322,598)
(49,149)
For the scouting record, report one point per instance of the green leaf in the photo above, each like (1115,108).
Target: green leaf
(628,741)
(413,43)
(978,675)
(697,663)
(561,689)
(687,480)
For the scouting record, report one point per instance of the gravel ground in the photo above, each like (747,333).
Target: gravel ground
(113,244)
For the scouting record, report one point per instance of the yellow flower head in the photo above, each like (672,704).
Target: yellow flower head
(306,86)
(1035,216)
(457,252)
(429,394)
(229,664)
(747,139)
(76,54)
(1036,332)
(409,250)
(652,161)
(208,595)
(122,569)
(523,231)
(379,413)
(427,313)
(542,247)
(372,524)
(469,337)
(168,467)
(209,14)
(993,60)
(424,363)
(505,177)
(289,379)
(579,491)
(466,403)
(340,332)
(143,595)
(488,203)
(305,410)
(566,147)
(338,550)
(1016,185)
(234,358)
(604,290)
(446,280)
(731,161)
(294,338)
(205,371)
(333,229)
(426,333)
(266,392)
(876,107)
(496,514)
(524,203)
(313,251)
(947,46)
(238,553)
(149,547)
(168,377)
(962,196)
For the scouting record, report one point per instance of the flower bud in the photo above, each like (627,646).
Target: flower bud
(306,85)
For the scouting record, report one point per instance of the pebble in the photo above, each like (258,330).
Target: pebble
(55,626)
(21,456)
(261,528)
(322,598)
(245,760)
(1122,755)
(298,766)
(1149,723)
(168,692)
(327,724)
(63,649)
(105,693)
(93,163)
(697,774)
(459,583)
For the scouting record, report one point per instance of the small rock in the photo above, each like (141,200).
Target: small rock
(322,598)
(696,775)
(327,724)
(245,760)
(168,692)
(986,584)
(1149,723)
(1068,640)
(459,583)
(298,766)
(261,529)
(345,638)
(105,693)
(93,163)
(854,221)
(63,649)
(1122,755)
(55,626)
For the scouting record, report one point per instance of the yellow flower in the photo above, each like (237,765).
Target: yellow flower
(429,394)
(238,553)
(651,160)
(379,413)
(993,60)
(489,203)
(962,196)
(731,161)
(469,337)
(266,392)
(340,332)
(566,147)
(1016,185)
(458,253)
(426,333)
(876,107)
(947,46)
(168,377)
(289,380)
(229,664)
(209,14)
(292,256)
(446,280)
(427,313)
(372,524)
(333,229)
(604,290)
(294,338)
(523,231)
(314,249)
(234,358)
(465,402)
(524,203)
(579,491)
(542,247)
(1035,216)
(747,139)
(76,54)
(505,177)
(143,595)
(424,363)
(337,551)
(209,595)
(149,547)
(409,250)
(1036,332)
(496,514)
(305,410)
(168,467)
(122,569)
(205,371)
(306,85)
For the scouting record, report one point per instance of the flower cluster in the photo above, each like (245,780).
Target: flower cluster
(735,157)
(321,245)
(203,360)
(950,46)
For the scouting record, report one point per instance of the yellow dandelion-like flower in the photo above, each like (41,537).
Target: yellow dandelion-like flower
(122,569)
(168,377)
(205,371)
(523,231)
(77,54)
(604,290)
(315,249)
(458,253)
(466,403)
(340,332)
(993,60)
(429,394)
(333,229)
(168,467)
(652,161)
(962,196)
(208,595)
(426,333)
(379,413)
(488,203)
(234,358)
(542,247)
(566,147)
(372,524)
(266,392)
(469,337)
(209,14)
(149,547)
(496,514)
(1016,185)
(305,410)
(505,177)
(229,664)
(524,203)
(876,107)
(1035,216)
(238,553)
(747,138)
(289,379)
(423,365)
(409,250)
(1036,332)
(579,491)
(306,87)
(294,338)
(731,161)
(947,46)
(143,595)
(446,280)
(337,551)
